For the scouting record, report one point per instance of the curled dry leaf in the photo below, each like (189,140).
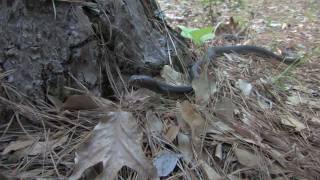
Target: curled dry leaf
(297,99)
(195,122)
(246,158)
(45,146)
(224,110)
(154,123)
(86,102)
(218,151)
(244,86)
(184,146)
(292,122)
(315,120)
(80,102)
(204,87)
(140,99)
(165,163)
(209,172)
(17,145)
(116,142)
(171,76)
(172,133)
(30,147)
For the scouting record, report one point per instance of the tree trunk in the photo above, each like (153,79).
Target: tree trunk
(49,45)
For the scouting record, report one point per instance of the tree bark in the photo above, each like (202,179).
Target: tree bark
(48,45)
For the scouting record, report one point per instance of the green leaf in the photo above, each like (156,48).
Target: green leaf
(201,35)
(207,37)
(186,32)
(197,35)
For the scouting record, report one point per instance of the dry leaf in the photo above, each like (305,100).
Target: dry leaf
(204,87)
(244,86)
(116,142)
(209,172)
(246,158)
(184,146)
(171,76)
(30,174)
(224,109)
(295,100)
(298,99)
(45,146)
(172,133)
(315,120)
(155,124)
(233,177)
(292,122)
(140,99)
(17,145)
(218,152)
(195,122)
(165,163)
(80,102)
(87,102)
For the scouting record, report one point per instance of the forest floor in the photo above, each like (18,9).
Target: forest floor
(250,118)
(291,126)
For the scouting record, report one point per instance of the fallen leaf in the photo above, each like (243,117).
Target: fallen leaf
(264,102)
(233,177)
(224,109)
(17,145)
(275,24)
(87,102)
(30,174)
(195,122)
(171,76)
(246,158)
(45,146)
(80,102)
(184,146)
(277,169)
(315,120)
(209,172)
(116,142)
(295,100)
(155,124)
(172,133)
(204,87)
(165,163)
(218,152)
(292,122)
(219,128)
(140,99)
(244,86)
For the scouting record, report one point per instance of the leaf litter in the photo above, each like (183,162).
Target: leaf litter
(264,129)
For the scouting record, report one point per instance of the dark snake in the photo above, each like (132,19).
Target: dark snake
(148,82)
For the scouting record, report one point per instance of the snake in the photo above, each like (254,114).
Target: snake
(147,82)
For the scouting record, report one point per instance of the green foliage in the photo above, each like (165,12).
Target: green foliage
(197,35)
(212,1)
(234,3)
(242,21)
(281,80)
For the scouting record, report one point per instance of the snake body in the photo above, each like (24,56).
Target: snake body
(213,52)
